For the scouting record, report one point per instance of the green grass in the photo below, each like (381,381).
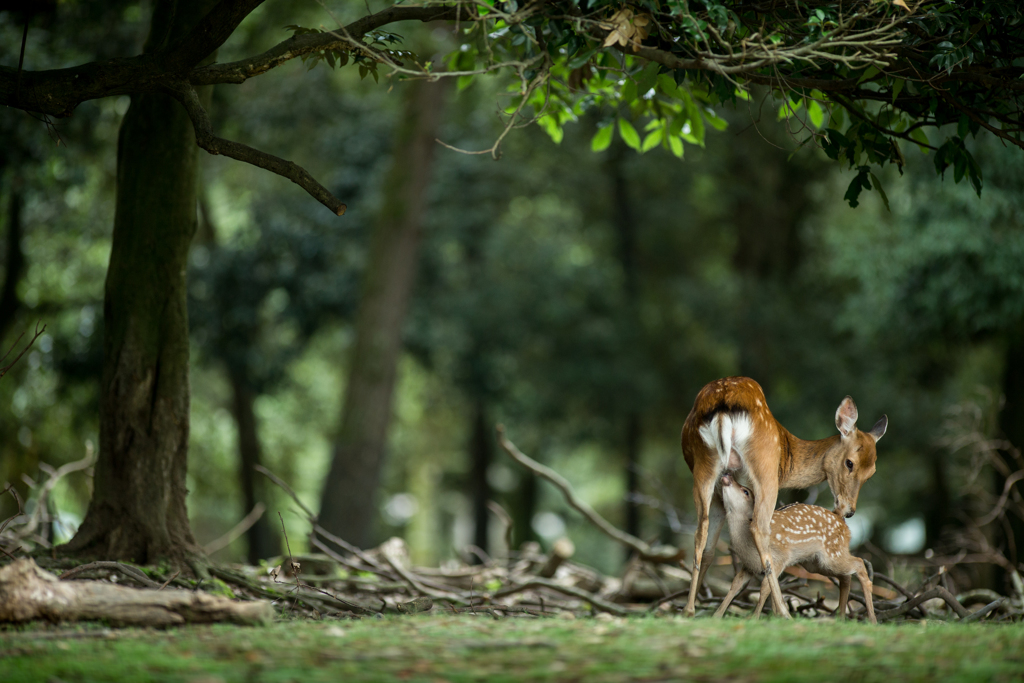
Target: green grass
(448,648)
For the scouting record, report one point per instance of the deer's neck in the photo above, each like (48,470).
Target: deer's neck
(742,541)
(803,462)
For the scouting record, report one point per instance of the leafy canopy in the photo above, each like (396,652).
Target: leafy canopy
(861,78)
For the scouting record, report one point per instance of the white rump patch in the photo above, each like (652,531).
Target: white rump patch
(728,434)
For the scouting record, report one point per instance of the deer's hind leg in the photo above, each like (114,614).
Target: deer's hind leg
(765,485)
(705,478)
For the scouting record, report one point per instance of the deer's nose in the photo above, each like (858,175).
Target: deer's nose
(850,514)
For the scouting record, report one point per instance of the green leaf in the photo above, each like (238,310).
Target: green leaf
(870,72)
(897,88)
(716,122)
(602,139)
(645,79)
(676,145)
(463,82)
(629,91)
(552,128)
(582,58)
(881,192)
(668,86)
(921,137)
(963,126)
(629,134)
(815,113)
(652,140)
(860,182)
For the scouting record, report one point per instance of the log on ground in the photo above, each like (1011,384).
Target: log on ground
(28,593)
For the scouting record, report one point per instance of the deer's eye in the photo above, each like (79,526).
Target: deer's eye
(849,465)
(746,493)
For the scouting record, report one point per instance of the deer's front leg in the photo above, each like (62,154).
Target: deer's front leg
(865,584)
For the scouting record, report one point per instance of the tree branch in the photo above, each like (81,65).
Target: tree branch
(297,46)
(660,554)
(58,91)
(205,138)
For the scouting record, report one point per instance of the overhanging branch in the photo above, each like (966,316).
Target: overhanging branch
(297,46)
(58,91)
(205,138)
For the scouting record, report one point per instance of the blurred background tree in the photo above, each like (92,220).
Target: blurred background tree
(580,298)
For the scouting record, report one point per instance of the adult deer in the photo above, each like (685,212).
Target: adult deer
(731,429)
(811,536)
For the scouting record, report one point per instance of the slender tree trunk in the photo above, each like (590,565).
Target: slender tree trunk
(15,460)
(14,263)
(138,510)
(625,229)
(481,449)
(1010,534)
(263,542)
(348,505)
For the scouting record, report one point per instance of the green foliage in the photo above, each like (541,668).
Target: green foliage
(366,60)
(853,81)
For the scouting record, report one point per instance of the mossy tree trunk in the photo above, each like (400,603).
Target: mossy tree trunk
(137,511)
(348,504)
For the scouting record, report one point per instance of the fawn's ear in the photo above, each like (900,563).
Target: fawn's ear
(878,431)
(846,417)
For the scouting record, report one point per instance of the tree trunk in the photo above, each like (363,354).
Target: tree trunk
(14,263)
(348,504)
(261,537)
(137,511)
(15,460)
(625,229)
(481,449)
(1010,533)
(263,542)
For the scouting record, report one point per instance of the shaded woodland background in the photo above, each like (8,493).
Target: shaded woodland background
(581,299)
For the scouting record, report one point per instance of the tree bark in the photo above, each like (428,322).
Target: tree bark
(348,504)
(1010,534)
(137,511)
(481,449)
(14,262)
(625,229)
(263,542)
(15,460)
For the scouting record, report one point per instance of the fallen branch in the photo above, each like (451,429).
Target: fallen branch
(236,531)
(646,552)
(975,616)
(936,592)
(28,593)
(597,602)
(28,529)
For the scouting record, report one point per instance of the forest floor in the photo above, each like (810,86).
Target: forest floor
(438,647)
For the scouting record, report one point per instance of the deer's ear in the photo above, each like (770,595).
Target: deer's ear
(878,431)
(846,417)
